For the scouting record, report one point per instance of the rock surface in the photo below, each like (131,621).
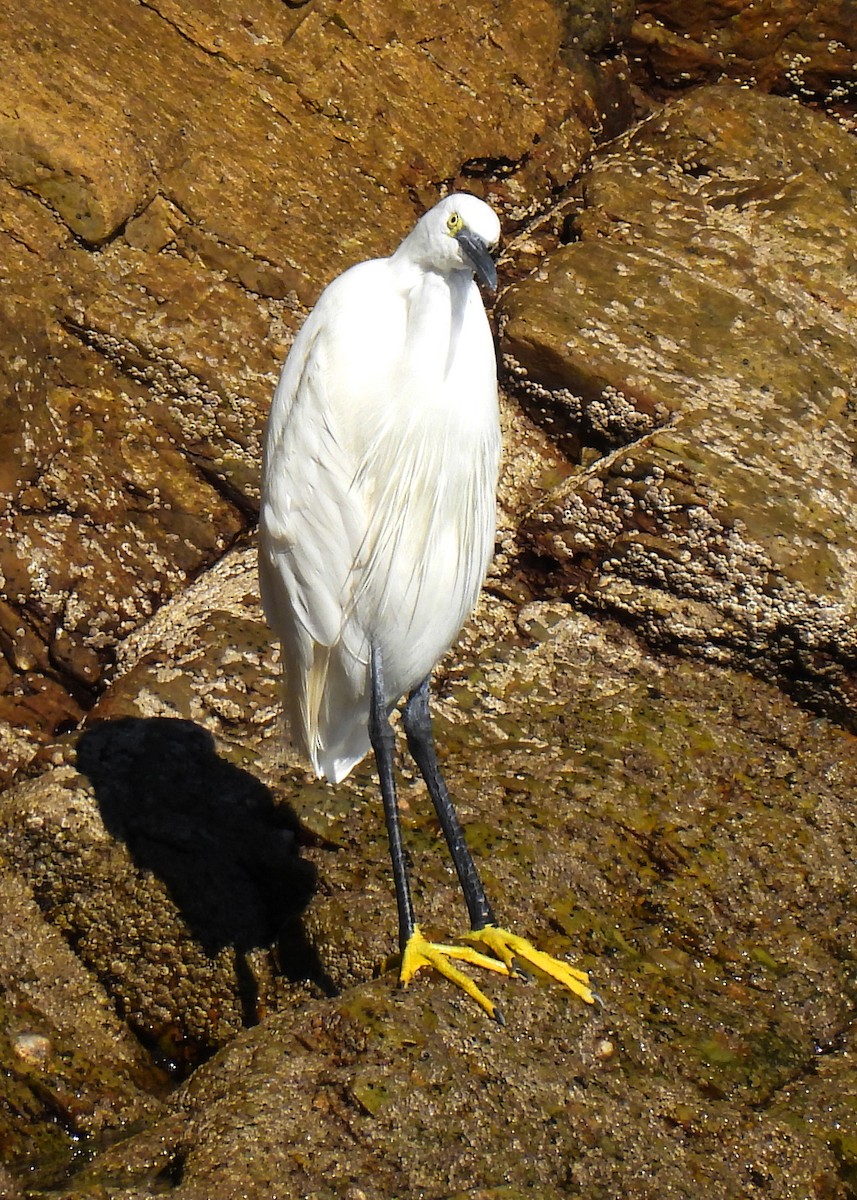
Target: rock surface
(635,815)
(176,186)
(799,48)
(708,361)
(70,1066)
(171,201)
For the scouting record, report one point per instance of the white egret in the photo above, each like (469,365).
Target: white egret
(377,526)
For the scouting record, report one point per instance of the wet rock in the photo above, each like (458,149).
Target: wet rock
(173,876)
(594,29)
(677,827)
(148,848)
(825,1104)
(163,230)
(101,514)
(806,50)
(682,831)
(71,1071)
(694,350)
(9,1189)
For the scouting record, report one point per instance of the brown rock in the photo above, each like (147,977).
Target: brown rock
(676,826)
(683,832)
(796,47)
(177,184)
(173,876)
(702,334)
(70,1067)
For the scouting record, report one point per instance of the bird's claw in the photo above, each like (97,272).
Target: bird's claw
(507,952)
(509,947)
(419,953)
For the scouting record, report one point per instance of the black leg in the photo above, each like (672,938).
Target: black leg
(383,741)
(417,722)
(503,947)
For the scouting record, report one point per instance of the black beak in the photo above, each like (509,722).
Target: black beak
(480,258)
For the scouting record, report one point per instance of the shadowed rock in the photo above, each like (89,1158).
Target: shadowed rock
(208,830)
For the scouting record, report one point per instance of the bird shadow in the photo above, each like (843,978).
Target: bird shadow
(211,832)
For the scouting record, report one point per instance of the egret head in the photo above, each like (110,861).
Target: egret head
(459,234)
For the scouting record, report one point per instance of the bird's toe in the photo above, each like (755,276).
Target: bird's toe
(419,953)
(512,950)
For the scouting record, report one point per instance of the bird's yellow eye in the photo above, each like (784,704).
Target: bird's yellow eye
(454,223)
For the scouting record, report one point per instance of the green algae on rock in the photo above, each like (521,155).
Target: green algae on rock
(683,829)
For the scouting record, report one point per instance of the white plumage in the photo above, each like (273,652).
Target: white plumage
(376,530)
(380,469)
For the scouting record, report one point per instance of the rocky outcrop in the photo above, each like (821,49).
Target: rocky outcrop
(801,49)
(647,725)
(682,831)
(696,347)
(171,201)
(70,1065)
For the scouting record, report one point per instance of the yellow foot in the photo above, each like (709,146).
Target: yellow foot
(421,953)
(510,948)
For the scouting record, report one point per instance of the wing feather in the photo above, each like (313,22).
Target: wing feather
(311,527)
(377,514)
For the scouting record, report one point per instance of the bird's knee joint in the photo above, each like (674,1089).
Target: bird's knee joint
(417,722)
(381,734)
